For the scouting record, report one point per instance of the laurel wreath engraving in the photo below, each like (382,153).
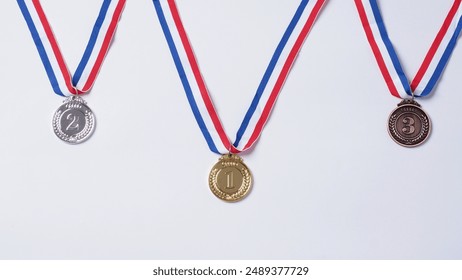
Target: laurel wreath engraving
(230,161)
(82,135)
(425,128)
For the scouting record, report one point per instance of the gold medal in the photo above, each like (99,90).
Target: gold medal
(230,179)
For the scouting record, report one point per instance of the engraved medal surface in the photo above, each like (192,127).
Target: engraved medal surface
(230,179)
(74,121)
(409,125)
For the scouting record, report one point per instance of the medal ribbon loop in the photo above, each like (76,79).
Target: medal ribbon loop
(267,92)
(434,63)
(62,81)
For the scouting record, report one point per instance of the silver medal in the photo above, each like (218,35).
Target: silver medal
(74,121)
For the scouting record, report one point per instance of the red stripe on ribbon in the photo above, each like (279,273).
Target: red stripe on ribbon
(202,87)
(55,47)
(284,73)
(105,46)
(375,49)
(435,45)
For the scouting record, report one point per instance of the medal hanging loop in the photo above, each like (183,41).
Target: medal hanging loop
(266,94)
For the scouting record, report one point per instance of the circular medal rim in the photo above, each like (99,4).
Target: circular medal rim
(407,145)
(213,184)
(57,124)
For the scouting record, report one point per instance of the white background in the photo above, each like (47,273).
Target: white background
(329,182)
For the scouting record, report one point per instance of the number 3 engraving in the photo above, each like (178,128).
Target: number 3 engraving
(409,127)
(74,125)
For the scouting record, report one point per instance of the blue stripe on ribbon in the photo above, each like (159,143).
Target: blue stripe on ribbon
(269,71)
(40,48)
(444,60)
(91,44)
(389,46)
(183,77)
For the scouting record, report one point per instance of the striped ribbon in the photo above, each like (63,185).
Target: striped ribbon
(62,81)
(434,63)
(267,92)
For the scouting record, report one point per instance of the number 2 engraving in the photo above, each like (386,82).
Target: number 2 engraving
(409,127)
(74,124)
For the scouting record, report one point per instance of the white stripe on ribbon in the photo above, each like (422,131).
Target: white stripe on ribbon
(387,57)
(82,83)
(383,49)
(96,49)
(272,81)
(207,117)
(420,88)
(62,82)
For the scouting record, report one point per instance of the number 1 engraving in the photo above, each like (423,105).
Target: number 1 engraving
(229,180)
(74,125)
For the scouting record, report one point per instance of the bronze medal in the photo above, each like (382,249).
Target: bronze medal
(409,125)
(230,179)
